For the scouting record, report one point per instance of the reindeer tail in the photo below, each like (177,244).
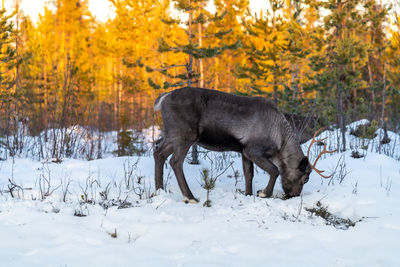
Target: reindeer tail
(159,100)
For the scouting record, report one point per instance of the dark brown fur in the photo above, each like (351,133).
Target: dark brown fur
(303,126)
(218,121)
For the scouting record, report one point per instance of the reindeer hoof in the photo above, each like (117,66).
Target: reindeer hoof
(191,201)
(262,194)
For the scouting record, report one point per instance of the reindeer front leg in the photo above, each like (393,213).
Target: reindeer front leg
(259,155)
(248,170)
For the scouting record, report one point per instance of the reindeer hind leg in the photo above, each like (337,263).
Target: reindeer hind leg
(178,157)
(162,151)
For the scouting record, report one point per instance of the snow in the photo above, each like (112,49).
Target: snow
(236,230)
(363,145)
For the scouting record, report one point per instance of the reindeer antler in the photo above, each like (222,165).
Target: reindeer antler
(324,151)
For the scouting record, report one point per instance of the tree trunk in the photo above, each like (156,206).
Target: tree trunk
(275,90)
(385,138)
(340,114)
(216,79)
(195,156)
(339,90)
(201,68)
(190,66)
(371,83)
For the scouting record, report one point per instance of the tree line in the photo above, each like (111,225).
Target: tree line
(334,60)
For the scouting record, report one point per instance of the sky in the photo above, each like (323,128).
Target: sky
(101,9)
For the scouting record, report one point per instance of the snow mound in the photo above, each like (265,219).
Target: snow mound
(361,145)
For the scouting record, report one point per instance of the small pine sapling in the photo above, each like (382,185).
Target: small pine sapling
(208,183)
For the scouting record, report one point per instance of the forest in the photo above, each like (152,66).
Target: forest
(333,61)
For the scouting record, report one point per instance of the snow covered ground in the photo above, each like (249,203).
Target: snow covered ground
(108,219)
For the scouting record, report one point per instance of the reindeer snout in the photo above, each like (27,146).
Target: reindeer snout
(295,191)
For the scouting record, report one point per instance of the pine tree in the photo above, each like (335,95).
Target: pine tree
(374,20)
(393,71)
(8,58)
(220,69)
(197,16)
(11,95)
(339,64)
(265,51)
(61,59)
(135,31)
(299,47)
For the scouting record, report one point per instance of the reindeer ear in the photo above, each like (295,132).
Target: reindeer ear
(303,164)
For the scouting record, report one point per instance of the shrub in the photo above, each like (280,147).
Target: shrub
(129,144)
(366,131)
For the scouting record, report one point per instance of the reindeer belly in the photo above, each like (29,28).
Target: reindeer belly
(219,140)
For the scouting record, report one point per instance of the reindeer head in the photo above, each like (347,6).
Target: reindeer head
(294,177)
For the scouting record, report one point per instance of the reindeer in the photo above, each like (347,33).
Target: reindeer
(218,121)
